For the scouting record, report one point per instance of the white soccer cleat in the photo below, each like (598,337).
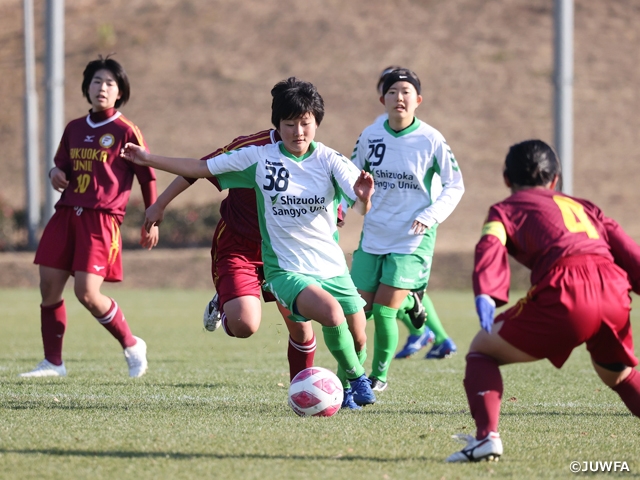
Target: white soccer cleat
(488,448)
(136,357)
(212,318)
(46,369)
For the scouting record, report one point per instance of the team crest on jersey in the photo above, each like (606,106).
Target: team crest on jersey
(107,140)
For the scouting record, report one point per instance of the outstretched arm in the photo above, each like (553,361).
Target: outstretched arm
(187,167)
(155,213)
(363,188)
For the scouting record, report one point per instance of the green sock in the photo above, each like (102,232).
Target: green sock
(402,315)
(342,375)
(433,321)
(385,340)
(340,343)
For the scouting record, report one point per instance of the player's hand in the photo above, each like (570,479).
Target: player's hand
(153,216)
(418,228)
(149,239)
(58,179)
(486,308)
(134,153)
(364,186)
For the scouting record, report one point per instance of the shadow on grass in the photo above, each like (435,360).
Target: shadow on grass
(213,456)
(568,413)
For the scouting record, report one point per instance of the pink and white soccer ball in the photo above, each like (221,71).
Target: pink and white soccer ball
(315,392)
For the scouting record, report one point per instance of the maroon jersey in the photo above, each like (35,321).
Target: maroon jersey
(239,209)
(538,227)
(89,154)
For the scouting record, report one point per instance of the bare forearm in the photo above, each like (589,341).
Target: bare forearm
(187,167)
(174,189)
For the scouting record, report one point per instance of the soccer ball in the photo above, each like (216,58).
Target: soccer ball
(315,392)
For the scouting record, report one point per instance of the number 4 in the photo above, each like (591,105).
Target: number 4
(574,217)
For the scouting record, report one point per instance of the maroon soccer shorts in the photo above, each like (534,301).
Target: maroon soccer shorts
(82,240)
(582,299)
(236,265)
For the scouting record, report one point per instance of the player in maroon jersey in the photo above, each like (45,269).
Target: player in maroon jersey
(82,238)
(236,262)
(583,266)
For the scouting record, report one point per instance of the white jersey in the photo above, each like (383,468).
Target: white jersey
(416,178)
(297,201)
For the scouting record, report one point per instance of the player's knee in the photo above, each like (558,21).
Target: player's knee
(612,374)
(244,326)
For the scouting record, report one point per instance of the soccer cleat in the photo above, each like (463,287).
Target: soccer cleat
(362,393)
(136,357)
(489,448)
(46,369)
(378,385)
(212,318)
(416,343)
(444,350)
(417,315)
(347,401)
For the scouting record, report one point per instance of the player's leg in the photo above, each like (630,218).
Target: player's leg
(418,337)
(109,314)
(357,326)
(327,302)
(53,322)
(483,387)
(99,259)
(302,343)
(385,340)
(241,316)
(236,270)
(443,345)
(611,348)
(54,258)
(623,380)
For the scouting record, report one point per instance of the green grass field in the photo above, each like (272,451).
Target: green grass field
(216,407)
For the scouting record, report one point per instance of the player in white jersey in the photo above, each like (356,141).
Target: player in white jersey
(418,184)
(417,311)
(298,184)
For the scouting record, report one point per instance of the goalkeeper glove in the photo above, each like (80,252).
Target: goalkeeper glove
(486,307)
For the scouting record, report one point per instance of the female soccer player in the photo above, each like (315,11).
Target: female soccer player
(82,238)
(418,184)
(236,262)
(579,261)
(417,311)
(298,185)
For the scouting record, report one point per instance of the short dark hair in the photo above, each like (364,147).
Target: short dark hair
(384,74)
(531,163)
(118,72)
(293,98)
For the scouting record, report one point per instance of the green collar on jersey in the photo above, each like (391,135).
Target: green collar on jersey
(405,131)
(286,153)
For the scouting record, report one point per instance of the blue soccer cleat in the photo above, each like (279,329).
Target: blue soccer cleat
(415,343)
(362,393)
(347,401)
(444,350)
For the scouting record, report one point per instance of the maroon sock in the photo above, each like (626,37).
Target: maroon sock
(117,326)
(300,356)
(53,323)
(629,391)
(483,384)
